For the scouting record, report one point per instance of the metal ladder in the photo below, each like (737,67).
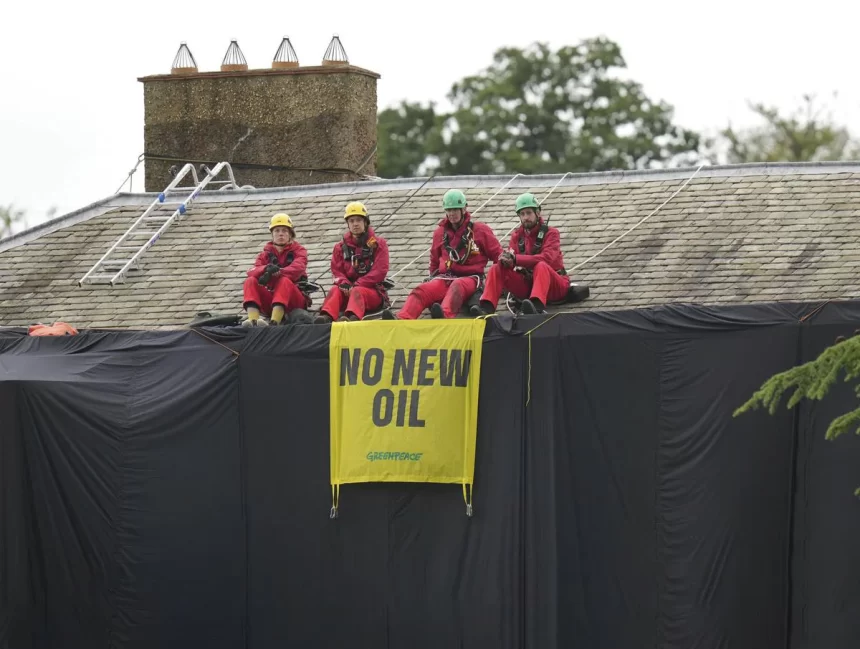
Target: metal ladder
(112,268)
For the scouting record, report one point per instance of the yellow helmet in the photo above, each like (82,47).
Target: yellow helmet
(280,219)
(356,208)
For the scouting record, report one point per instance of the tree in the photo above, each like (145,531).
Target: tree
(813,380)
(536,110)
(405,134)
(10,218)
(807,135)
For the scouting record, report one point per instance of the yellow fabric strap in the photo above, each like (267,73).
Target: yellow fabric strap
(335,498)
(529,377)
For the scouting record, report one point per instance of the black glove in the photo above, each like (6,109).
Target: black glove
(266,277)
(508,259)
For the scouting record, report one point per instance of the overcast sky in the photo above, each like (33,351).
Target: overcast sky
(71,115)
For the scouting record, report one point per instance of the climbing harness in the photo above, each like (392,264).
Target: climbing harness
(465,246)
(363,261)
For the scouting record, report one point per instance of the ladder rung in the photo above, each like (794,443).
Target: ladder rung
(117,264)
(92,277)
(138,233)
(160,218)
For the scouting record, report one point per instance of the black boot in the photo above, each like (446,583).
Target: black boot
(322,318)
(482,308)
(436,311)
(388,314)
(531,307)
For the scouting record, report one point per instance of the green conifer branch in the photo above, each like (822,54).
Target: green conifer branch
(813,380)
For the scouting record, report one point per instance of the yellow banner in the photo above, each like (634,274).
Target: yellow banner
(404,401)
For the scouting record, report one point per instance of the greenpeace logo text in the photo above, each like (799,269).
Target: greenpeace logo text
(393,455)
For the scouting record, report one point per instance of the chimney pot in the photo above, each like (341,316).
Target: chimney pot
(234,60)
(183,62)
(286,56)
(335,54)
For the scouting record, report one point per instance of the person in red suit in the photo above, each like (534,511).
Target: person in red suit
(359,264)
(271,286)
(458,258)
(533,267)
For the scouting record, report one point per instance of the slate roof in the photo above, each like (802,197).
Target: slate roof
(738,234)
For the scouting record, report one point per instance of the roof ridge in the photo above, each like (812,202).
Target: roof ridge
(125,199)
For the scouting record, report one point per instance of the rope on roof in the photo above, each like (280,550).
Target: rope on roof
(653,212)
(513,178)
(128,178)
(376,227)
(540,202)
(618,238)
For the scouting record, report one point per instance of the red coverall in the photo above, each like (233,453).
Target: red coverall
(367,292)
(281,289)
(453,286)
(545,283)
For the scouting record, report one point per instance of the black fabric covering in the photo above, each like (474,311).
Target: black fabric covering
(171,489)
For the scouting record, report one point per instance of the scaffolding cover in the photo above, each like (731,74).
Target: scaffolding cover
(171,489)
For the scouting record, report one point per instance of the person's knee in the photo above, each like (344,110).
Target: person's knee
(419,292)
(466,286)
(356,299)
(543,267)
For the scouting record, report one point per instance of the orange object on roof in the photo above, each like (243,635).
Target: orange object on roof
(56,329)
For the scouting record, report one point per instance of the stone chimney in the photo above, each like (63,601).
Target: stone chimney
(278,126)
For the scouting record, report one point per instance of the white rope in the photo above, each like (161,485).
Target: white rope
(128,178)
(327,271)
(508,305)
(475,212)
(623,234)
(595,255)
(540,202)
(607,246)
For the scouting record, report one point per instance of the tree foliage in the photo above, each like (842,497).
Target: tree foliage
(406,134)
(813,380)
(538,110)
(806,135)
(10,219)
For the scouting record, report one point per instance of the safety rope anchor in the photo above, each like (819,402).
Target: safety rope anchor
(333,513)
(469,510)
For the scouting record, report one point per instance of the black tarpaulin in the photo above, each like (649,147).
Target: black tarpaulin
(171,489)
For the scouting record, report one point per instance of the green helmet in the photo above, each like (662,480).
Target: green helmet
(527,200)
(454,199)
